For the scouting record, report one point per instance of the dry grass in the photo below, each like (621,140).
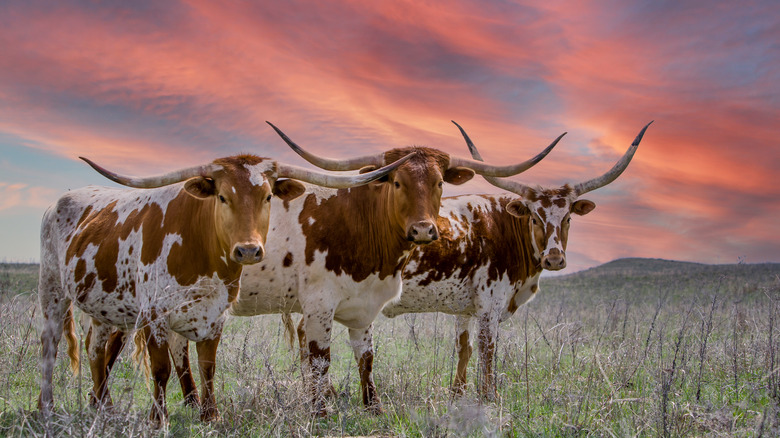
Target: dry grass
(647,349)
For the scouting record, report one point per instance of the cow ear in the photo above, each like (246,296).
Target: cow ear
(458,175)
(582,207)
(200,187)
(367,169)
(288,189)
(517,208)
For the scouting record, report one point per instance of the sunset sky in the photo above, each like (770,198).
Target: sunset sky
(144,87)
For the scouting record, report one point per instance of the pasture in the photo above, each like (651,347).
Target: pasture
(635,347)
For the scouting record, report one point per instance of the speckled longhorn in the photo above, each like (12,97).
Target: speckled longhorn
(165,256)
(489,257)
(340,255)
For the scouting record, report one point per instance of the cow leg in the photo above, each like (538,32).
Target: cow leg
(53,305)
(180,354)
(463,349)
(96,343)
(363,346)
(305,368)
(317,326)
(157,345)
(488,331)
(207,362)
(116,342)
(304,352)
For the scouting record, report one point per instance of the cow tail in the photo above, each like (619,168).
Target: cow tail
(140,354)
(289,329)
(69,330)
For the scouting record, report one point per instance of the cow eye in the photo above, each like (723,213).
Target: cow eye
(397,185)
(568,220)
(268,198)
(222,199)
(533,220)
(441,183)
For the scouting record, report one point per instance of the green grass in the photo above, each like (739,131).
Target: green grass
(634,347)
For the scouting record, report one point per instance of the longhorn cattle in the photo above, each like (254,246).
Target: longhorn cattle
(166,256)
(344,252)
(491,251)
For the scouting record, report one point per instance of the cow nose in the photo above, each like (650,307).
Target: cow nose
(422,232)
(554,261)
(246,254)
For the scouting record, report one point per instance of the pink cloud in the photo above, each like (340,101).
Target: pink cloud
(22,195)
(147,89)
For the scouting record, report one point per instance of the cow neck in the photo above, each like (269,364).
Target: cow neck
(516,244)
(355,231)
(200,253)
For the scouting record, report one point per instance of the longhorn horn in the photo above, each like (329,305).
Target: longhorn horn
(512,186)
(355,163)
(487,170)
(616,170)
(156,181)
(337,181)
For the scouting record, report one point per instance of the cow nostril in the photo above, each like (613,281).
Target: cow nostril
(414,231)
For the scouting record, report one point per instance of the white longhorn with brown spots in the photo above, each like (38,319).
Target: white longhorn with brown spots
(490,255)
(339,255)
(164,257)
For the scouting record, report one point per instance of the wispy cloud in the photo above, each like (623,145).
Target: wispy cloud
(147,86)
(21,195)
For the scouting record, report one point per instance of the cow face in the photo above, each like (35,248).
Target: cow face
(414,190)
(548,213)
(241,193)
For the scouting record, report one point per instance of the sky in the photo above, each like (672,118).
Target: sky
(146,87)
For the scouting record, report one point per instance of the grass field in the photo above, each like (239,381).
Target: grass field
(636,347)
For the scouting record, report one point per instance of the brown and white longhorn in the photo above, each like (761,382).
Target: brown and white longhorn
(164,256)
(490,255)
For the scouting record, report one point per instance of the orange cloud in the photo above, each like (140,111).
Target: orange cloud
(147,86)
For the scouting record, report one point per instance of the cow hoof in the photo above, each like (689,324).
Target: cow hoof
(490,396)
(158,418)
(331,392)
(100,404)
(209,415)
(192,401)
(157,423)
(320,411)
(458,389)
(375,409)
(209,412)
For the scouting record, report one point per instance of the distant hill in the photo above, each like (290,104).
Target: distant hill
(653,277)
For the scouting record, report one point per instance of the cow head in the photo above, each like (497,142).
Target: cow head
(547,211)
(239,189)
(413,190)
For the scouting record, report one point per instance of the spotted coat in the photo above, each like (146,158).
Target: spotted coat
(160,260)
(487,264)
(339,257)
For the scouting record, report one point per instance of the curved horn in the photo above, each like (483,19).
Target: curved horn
(377,160)
(512,186)
(487,170)
(616,170)
(156,181)
(337,181)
